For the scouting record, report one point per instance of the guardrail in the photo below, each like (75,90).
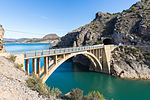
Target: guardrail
(29,54)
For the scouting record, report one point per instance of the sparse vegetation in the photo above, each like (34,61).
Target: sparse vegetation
(76,94)
(146,13)
(108,13)
(94,95)
(36,84)
(12,58)
(145,1)
(116,13)
(104,27)
(19,66)
(133,9)
(124,51)
(97,43)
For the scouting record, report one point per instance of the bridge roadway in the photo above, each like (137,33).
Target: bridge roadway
(53,58)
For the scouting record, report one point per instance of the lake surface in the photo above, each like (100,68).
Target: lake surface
(70,75)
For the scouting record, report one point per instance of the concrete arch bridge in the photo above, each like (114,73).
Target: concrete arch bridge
(99,55)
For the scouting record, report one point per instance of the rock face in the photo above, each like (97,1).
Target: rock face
(12,83)
(130,62)
(131,27)
(1,39)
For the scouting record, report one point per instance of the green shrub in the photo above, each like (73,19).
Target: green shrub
(19,66)
(116,13)
(52,92)
(94,95)
(12,58)
(76,94)
(133,9)
(36,84)
(121,47)
(97,43)
(108,13)
(57,92)
(146,13)
(145,1)
(130,50)
(104,27)
(95,26)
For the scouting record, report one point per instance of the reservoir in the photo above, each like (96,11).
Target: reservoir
(72,75)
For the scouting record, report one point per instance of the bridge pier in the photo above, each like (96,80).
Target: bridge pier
(45,65)
(38,66)
(48,61)
(64,56)
(33,65)
(27,66)
(55,59)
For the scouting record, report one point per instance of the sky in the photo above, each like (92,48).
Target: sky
(36,18)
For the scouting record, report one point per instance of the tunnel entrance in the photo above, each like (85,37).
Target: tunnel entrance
(108,41)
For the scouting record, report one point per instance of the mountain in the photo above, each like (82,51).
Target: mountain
(51,36)
(130,27)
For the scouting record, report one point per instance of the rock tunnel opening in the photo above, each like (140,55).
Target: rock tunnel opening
(108,41)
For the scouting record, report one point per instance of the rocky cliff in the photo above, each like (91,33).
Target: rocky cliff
(132,27)
(1,39)
(130,62)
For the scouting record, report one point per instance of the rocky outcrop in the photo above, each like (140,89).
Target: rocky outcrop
(90,33)
(130,27)
(130,62)
(1,39)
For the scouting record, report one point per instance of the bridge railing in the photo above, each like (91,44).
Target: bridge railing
(29,54)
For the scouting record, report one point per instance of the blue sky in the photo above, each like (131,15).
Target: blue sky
(36,18)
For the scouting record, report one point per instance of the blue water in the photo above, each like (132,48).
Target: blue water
(21,47)
(70,75)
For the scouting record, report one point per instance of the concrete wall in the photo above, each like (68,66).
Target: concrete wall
(107,58)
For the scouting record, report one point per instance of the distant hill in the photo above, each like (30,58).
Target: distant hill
(15,40)
(46,38)
(51,36)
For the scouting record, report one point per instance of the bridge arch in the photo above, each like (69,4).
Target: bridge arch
(90,56)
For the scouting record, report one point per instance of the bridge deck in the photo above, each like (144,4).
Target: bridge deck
(50,52)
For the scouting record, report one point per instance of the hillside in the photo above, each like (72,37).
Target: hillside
(12,83)
(51,36)
(132,27)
